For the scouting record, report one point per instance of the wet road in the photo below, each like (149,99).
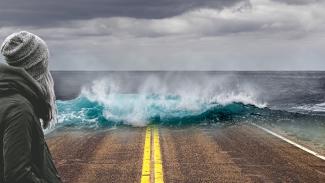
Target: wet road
(241,153)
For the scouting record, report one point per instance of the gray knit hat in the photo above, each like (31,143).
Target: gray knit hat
(26,50)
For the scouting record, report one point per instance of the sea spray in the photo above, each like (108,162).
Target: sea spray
(295,100)
(103,103)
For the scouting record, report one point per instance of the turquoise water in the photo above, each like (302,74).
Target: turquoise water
(174,110)
(290,101)
(106,103)
(140,110)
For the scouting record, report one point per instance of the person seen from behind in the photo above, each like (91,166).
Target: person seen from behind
(27,106)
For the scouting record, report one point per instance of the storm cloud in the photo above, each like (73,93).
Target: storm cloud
(49,12)
(174,34)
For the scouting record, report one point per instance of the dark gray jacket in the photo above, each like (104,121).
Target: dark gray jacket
(24,155)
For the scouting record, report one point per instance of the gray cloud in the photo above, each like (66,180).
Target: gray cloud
(289,23)
(299,2)
(262,34)
(49,12)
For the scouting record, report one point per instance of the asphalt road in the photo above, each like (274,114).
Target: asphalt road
(241,153)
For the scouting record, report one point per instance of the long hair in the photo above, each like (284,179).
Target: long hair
(47,83)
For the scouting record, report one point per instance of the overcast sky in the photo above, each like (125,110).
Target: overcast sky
(174,34)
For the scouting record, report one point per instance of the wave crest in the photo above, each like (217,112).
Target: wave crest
(103,104)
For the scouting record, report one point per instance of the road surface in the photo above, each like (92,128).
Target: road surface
(239,153)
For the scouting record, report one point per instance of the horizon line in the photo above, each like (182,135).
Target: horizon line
(187,70)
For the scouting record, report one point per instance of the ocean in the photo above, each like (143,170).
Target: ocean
(293,102)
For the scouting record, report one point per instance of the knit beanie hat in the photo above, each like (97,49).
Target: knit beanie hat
(26,50)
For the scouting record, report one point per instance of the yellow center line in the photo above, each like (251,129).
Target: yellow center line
(152,154)
(159,177)
(145,178)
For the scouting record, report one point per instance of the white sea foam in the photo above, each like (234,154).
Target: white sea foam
(312,107)
(160,97)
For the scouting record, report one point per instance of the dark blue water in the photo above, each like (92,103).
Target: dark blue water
(291,103)
(106,99)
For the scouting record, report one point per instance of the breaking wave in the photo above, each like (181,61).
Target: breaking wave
(104,105)
(131,109)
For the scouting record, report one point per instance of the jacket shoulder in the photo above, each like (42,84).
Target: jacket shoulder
(15,104)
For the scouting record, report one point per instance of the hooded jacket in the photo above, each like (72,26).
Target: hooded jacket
(24,154)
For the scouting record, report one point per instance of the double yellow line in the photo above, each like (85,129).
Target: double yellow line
(152,170)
